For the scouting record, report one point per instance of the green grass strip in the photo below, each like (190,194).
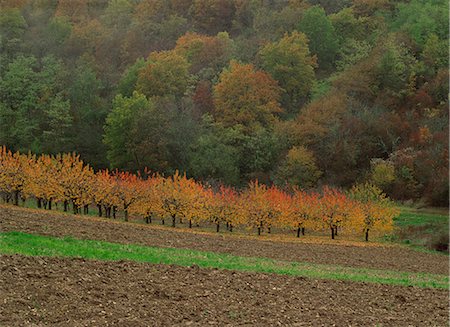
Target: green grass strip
(36,245)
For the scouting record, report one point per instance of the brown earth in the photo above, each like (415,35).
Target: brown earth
(38,291)
(84,227)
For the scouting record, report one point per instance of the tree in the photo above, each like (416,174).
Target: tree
(246,96)
(166,73)
(128,82)
(88,109)
(207,55)
(420,18)
(322,37)
(255,207)
(334,210)
(299,168)
(290,63)
(12,30)
(378,212)
(304,211)
(212,16)
(13,169)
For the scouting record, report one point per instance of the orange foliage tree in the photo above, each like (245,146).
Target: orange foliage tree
(13,174)
(74,182)
(303,211)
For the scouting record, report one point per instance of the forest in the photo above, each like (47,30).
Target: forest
(309,93)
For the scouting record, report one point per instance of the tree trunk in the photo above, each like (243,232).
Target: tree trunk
(50,204)
(190,223)
(230,227)
(332,233)
(16,198)
(298,232)
(45,204)
(173,221)
(303,231)
(39,203)
(99,207)
(74,207)
(114,209)
(86,209)
(268,230)
(65,205)
(259,231)
(335,231)
(367,235)
(217,227)
(162,221)
(125,212)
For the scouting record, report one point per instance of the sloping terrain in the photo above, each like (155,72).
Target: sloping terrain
(82,227)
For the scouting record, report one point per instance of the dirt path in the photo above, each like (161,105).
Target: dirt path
(55,224)
(37,291)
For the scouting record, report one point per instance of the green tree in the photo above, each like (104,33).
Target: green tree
(34,114)
(213,156)
(299,168)
(128,82)
(89,111)
(323,40)
(290,63)
(420,18)
(119,123)
(12,30)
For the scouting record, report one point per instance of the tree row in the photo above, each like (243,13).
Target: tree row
(66,180)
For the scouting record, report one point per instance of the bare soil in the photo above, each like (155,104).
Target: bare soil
(83,227)
(41,291)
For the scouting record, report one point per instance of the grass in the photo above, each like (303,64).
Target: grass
(422,228)
(36,245)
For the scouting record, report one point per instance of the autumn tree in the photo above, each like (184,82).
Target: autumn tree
(304,211)
(333,210)
(128,188)
(207,55)
(246,96)
(213,16)
(74,181)
(255,208)
(378,212)
(13,168)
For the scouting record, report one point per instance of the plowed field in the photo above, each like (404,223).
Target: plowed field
(38,291)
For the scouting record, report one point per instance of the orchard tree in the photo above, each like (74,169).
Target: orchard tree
(13,169)
(377,210)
